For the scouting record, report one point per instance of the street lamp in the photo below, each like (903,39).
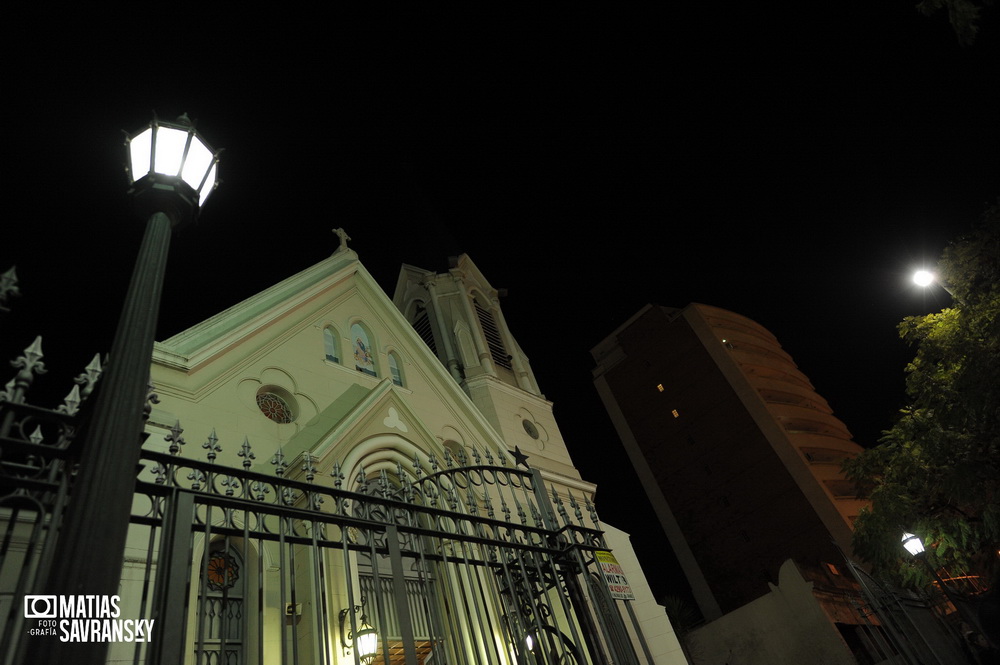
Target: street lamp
(915,546)
(171,171)
(924,278)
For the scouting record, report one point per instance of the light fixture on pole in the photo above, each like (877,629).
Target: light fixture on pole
(365,640)
(913,544)
(925,278)
(171,171)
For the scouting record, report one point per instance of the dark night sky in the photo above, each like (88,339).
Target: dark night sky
(792,166)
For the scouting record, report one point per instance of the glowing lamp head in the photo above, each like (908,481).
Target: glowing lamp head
(367,644)
(171,169)
(923,278)
(913,544)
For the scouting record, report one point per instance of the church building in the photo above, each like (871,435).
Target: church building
(334,476)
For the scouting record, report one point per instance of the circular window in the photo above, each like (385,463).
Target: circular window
(530,428)
(275,407)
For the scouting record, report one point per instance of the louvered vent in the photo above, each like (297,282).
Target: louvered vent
(422,324)
(493,340)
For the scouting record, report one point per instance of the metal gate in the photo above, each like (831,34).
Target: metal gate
(446,563)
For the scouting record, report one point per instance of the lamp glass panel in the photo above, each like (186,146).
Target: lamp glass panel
(912,544)
(367,643)
(198,161)
(209,184)
(139,150)
(169,150)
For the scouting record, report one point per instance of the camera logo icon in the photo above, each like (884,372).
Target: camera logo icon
(40,607)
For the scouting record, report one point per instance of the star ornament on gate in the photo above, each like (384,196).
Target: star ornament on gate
(520,458)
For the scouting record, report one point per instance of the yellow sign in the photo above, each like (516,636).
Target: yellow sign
(617,582)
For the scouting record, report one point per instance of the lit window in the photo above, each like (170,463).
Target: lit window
(676,415)
(659,386)
(364,358)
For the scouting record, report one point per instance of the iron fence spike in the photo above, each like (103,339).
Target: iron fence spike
(88,378)
(8,287)
(279,463)
(246,453)
(30,363)
(198,477)
(175,439)
(212,445)
(308,465)
(71,403)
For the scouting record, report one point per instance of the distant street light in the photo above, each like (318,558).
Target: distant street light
(171,172)
(924,278)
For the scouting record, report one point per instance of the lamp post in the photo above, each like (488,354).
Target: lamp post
(171,172)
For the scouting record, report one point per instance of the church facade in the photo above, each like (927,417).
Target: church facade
(332,476)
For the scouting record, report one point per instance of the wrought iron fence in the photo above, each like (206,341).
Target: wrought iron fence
(451,561)
(457,564)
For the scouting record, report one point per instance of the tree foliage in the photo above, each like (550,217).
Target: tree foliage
(936,472)
(964,16)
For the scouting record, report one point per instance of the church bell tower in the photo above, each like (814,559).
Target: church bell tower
(458,315)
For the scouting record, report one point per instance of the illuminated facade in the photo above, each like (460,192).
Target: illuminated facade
(402,431)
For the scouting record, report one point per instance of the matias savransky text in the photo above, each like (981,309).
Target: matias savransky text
(84,618)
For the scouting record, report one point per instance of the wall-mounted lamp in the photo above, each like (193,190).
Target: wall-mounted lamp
(365,640)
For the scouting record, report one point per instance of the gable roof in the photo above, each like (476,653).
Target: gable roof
(199,357)
(192,347)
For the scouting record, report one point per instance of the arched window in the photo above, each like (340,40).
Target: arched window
(330,345)
(220,605)
(364,354)
(394,369)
